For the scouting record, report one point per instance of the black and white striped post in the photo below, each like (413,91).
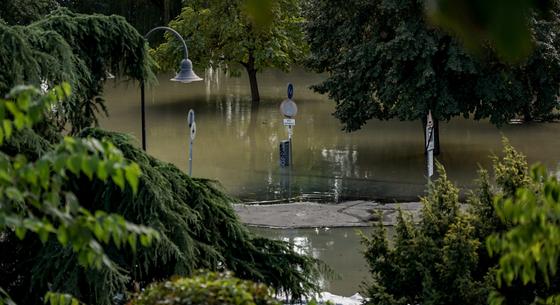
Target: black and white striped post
(430,144)
(192,135)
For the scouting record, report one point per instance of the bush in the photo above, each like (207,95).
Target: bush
(444,260)
(207,289)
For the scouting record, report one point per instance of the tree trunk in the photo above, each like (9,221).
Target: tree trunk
(252,72)
(437,149)
(255,97)
(166,12)
(527,114)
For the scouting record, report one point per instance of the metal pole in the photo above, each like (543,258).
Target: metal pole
(190,157)
(143,109)
(290,139)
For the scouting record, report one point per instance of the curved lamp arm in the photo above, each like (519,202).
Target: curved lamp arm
(164,28)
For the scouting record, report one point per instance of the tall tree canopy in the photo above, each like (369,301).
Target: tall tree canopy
(77,48)
(142,14)
(502,23)
(25,11)
(226,34)
(384,60)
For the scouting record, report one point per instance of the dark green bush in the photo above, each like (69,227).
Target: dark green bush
(206,289)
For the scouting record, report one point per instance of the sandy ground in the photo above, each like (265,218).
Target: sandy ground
(313,215)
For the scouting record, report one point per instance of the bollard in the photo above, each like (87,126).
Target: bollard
(285,153)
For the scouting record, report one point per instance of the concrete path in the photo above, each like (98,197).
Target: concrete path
(313,215)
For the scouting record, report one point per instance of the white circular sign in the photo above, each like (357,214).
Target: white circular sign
(288,108)
(193,131)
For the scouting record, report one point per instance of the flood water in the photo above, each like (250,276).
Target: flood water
(238,145)
(339,248)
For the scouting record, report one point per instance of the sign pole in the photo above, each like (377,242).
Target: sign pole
(288,108)
(190,157)
(192,135)
(430,144)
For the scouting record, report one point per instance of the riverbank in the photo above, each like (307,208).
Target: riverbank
(315,215)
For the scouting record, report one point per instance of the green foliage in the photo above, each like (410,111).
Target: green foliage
(23,12)
(209,288)
(443,260)
(197,225)
(385,60)
(34,197)
(502,24)
(60,299)
(142,14)
(77,48)
(530,249)
(224,34)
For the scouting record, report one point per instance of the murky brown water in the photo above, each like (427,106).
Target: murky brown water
(340,248)
(239,146)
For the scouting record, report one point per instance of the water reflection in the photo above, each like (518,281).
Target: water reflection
(237,142)
(340,248)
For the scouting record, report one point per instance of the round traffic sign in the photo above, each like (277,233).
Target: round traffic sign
(190,118)
(288,108)
(193,131)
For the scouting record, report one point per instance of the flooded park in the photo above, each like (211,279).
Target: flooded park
(279,152)
(237,145)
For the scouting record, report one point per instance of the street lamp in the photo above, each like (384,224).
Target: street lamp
(185,75)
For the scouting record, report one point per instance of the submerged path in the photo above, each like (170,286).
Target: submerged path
(313,215)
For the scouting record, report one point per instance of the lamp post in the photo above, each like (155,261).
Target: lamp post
(185,75)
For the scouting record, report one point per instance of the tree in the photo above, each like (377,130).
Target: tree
(223,34)
(385,60)
(34,199)
(23,12)
(443,259)
(502,24)
(196,223)
(142,14)
(80,49)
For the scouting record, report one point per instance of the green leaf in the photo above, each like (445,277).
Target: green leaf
(132,172)
(7,125)
(102,171)
(14,194)
(20,232)
(145,240)
(74,164)
(62,235)
(118,178)
(132,241)
(88,167)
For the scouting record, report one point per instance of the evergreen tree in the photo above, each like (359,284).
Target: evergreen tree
(444,259)
(22,12)
(80,49)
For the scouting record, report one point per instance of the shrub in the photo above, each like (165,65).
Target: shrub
(443,259)
(206,289)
